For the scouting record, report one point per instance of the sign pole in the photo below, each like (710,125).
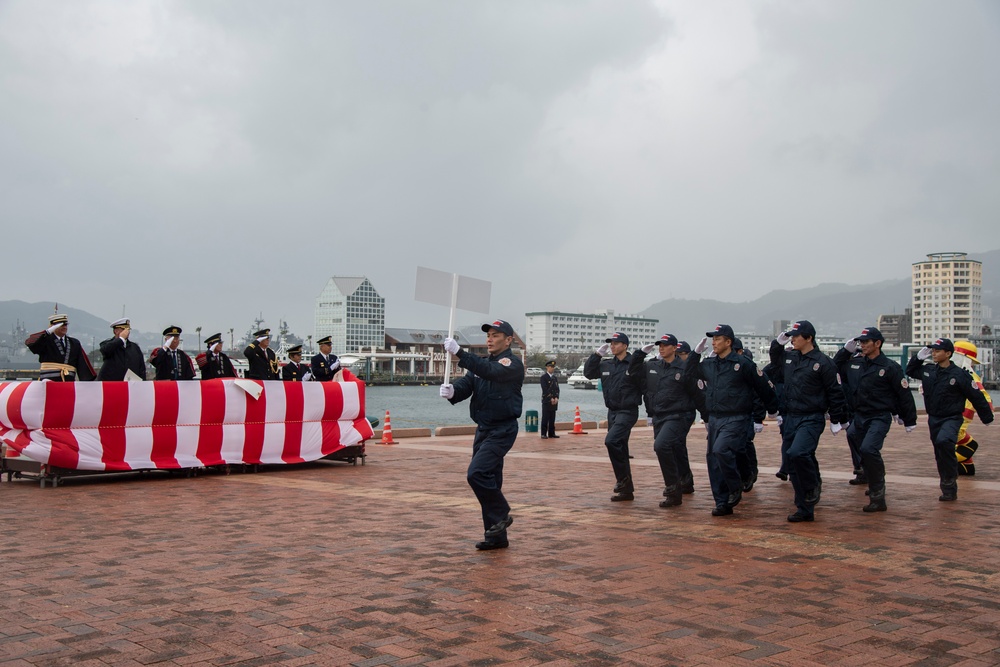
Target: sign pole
(451,325)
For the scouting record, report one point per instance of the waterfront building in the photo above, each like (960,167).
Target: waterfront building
(947,297)
(555,332)
(896,328)
(351,312)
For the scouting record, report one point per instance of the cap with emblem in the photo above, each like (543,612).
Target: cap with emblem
(123,323)
(684,347)
(58,319)
(871,333)
(722,330)
(172,330)
(942,344)
(550,364)
(802,328)
(667,339)
(213,339)
(263,333)
(617,337)
(500,325)
(325,340)
(294,349)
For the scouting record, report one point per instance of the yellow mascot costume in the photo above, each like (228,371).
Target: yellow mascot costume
(967,356)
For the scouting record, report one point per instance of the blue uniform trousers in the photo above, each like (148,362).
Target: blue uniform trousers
(548,426)
(670,446)
(485,474)
(800,439)
(868,433)
(620,423)
(746,460)
(727,435)
(944,435)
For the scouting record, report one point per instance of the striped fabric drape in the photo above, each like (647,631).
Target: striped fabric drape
(167,424)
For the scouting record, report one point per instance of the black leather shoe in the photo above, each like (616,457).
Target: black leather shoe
(687,488)
(622,495)
(783,476)
(722,510)
(545,437)
(748,485)
(734,498)
(947,497)
(555,436)
(800,516)
(812,496)
(860,478)
(499,527)
(875,506)
(671,496)
(489,546)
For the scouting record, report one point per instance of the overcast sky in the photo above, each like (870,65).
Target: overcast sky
(200,162)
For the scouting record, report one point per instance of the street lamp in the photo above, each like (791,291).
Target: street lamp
(198,329)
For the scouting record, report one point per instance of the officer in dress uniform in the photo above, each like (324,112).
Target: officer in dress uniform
(295,370)
(876,389)
(493,384)
(946,388)
(731,382)
(671,401)
(120,354)
(550,400)
(170,362)
(62,358)
(325,365)
(261,358)
(214,363)
(622,396)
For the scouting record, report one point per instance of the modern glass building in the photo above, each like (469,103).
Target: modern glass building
(352,313)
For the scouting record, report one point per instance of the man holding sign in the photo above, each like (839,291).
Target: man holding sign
(494,386)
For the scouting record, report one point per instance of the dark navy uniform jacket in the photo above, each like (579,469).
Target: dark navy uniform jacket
(212,367)
(812,384)
(321,368)
(666,390)
(550,389)
(44,345)
(622,390)
(262,362)
(946,390)
(876,385)
(119,358)
(731,383)
(494,384)
(293,372)
(163,362)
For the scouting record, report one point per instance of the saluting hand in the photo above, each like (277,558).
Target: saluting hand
(648,348)
(702,345)
(783,338)
(851,345)
(924,353)
(603,349)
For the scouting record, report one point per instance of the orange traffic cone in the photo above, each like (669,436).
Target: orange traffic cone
(387,431)
(577,424)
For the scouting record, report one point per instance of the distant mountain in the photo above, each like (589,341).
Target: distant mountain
(834,308)
(89,329)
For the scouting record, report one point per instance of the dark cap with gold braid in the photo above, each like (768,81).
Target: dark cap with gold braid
(263,333)
(294,349)
(326,340)
(213,339)
(172,330)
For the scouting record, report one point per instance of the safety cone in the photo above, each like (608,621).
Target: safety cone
(387,431)
(577,424)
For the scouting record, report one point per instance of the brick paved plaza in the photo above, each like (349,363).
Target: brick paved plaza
(330,564)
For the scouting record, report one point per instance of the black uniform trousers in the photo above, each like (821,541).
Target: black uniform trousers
(485,473)
(944,435)
(855,446)
(548,427)
(727,436)
(867,433)
(802,432)
(746,460)
(670,446)
(620,423)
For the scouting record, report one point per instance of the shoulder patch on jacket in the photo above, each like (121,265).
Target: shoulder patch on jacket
(504,362)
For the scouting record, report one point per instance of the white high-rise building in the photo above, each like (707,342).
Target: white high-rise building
(947,297)
(351,312)
(576,332)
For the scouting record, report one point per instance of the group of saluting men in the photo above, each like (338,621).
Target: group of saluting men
(860,391)
(63,358)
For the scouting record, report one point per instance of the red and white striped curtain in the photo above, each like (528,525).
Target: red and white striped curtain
(168,425)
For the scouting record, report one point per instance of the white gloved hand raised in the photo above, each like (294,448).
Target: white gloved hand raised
(451,346)
(307,376)
(898,419)
(448,391)
(835,428)
(648,348)
(702,345)
(909,429)
(604,349)
(783,338)
(758,428)
(335,365)
(52,329)
(924,353)
(851,345)
(167,342)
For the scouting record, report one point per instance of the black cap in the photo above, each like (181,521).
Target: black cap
(213,339)
(722,330)
(263,333)
(617,337)
(684,347)
(942,344)
(667,339)
(172,330)
(737,344)
(325,340)
(870,333)
(500,325)
(550,364)
(802,328)
(294,349)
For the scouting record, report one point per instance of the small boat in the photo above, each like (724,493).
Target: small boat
(578,381)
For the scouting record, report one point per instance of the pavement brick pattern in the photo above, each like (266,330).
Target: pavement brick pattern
(330,564)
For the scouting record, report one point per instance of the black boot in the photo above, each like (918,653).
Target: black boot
(860,478)
(949,490)
(687,484)
(623,490)
(876,500)
(671,496)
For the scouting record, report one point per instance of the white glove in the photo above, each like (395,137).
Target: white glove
(898,419)
(702,345)
(215,348)
(851,345)
(604,349)
(649,421)
(335,365)
(924,353)
(783,338)
(909,429)
(758,428)
(779,419)
(167,342)
(52,329)
(307,376)
(648,348)
(448,391)
(451,346)
(835,428)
